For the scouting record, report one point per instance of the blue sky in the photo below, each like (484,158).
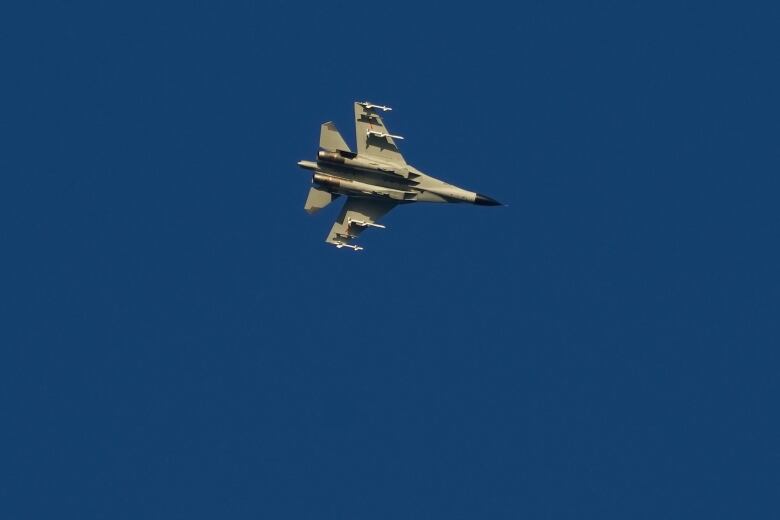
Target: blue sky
(178,341)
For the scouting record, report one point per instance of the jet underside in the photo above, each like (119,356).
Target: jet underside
(374,179)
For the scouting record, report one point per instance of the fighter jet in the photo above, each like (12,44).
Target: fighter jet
(375,178)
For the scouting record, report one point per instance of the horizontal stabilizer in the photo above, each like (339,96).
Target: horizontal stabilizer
(330,138)
(318,199)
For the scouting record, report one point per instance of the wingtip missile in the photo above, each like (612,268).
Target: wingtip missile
(363,223)
(382,134)
(349,246)
(369,106)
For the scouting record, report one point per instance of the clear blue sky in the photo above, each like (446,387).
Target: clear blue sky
(178,342)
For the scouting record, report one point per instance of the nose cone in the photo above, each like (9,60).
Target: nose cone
(484,200)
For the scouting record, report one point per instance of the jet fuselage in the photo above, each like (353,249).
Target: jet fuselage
(350,174)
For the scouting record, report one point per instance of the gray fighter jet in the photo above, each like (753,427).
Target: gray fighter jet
(375,179)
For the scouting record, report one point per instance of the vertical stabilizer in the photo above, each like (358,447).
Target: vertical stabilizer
(330,138)
(318,199)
